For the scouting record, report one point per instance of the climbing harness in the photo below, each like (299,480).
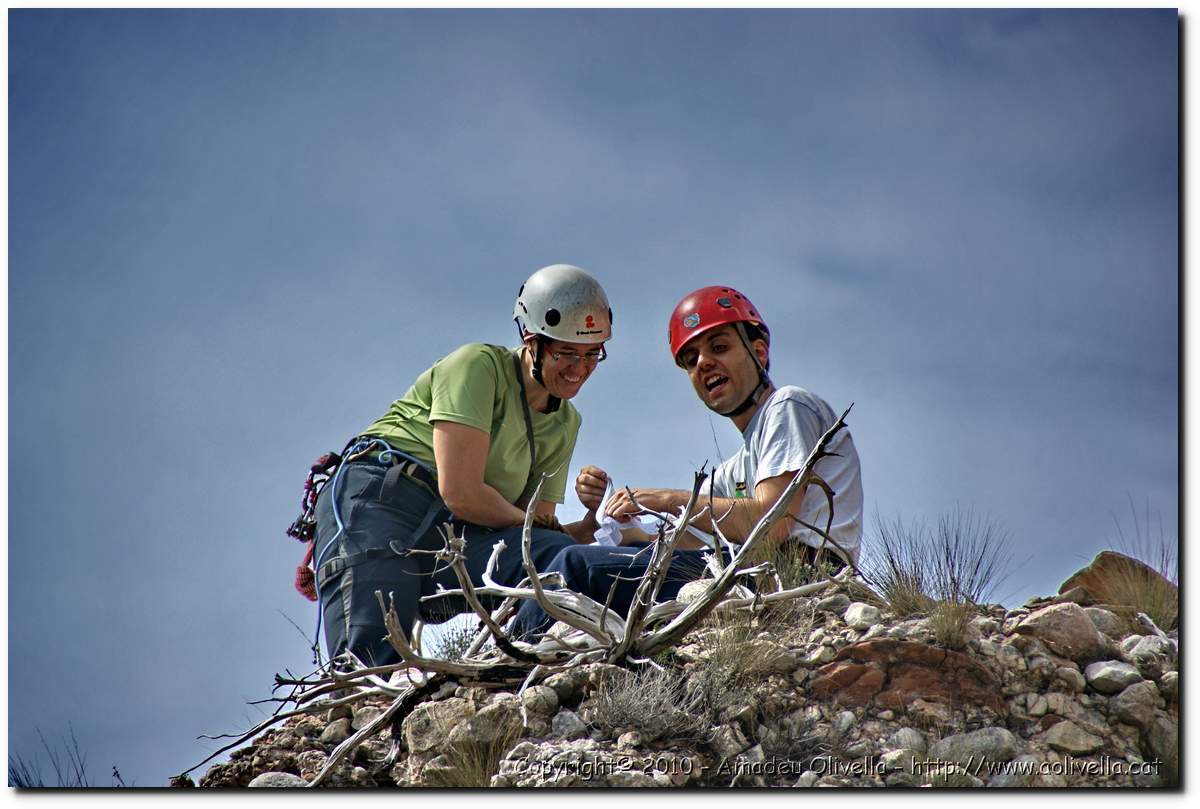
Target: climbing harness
(327,471)
(304,527)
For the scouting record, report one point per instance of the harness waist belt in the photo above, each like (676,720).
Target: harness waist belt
(410,468)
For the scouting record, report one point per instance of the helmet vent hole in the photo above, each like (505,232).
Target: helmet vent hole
(610,320)
(552,317)
(521,291)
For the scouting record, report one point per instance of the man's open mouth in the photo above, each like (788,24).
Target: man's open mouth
(715,381)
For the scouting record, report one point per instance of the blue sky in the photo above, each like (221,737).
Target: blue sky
(236,236)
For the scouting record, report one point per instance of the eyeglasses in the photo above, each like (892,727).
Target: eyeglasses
(571,358)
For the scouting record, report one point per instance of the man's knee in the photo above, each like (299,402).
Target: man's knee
(573,562)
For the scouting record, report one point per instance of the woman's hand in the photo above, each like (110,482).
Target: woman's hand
(590,487)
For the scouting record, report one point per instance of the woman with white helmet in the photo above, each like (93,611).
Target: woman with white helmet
(470,440)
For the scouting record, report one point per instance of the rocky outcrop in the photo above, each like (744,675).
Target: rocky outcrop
(1107,580)
(892,673)
(842,694)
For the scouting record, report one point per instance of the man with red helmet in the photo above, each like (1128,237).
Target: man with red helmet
(718,337)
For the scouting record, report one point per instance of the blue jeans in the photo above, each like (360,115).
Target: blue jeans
(593,569)
(380,525)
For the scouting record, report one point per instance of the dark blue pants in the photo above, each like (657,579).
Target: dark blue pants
(592,571)
(379,523)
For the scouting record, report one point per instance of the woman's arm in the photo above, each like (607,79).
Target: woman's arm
(460,453)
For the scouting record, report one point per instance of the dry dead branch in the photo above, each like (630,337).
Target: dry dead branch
(595,632)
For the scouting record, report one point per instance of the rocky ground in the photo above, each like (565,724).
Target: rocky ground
(835,693)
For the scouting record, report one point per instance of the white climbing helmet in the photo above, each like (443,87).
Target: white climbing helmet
(564,303)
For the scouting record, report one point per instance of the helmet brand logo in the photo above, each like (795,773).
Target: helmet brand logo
(692,320)
(590,323)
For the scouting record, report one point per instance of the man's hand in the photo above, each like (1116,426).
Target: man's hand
(590,487)
(621,505)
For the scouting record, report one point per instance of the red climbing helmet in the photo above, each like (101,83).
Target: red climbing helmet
(707,308)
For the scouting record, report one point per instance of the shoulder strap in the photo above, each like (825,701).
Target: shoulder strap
(528,417)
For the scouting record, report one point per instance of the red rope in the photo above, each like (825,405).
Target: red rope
(305,579)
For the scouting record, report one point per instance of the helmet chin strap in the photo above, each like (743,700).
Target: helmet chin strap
(764,381)
(553,402)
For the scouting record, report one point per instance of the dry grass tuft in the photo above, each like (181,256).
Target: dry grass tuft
(657,702)
(945,573)
(469,763)
(948,620)
(456,639)
(1155,595)
(69,765)
(970,558)
(897,566)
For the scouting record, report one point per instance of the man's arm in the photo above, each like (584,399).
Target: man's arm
(735,516)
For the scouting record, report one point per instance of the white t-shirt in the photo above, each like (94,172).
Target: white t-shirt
(778,441)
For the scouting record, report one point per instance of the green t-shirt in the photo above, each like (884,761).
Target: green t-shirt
(477,385)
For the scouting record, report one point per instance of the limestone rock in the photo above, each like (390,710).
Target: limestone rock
(567,684)
(568,725)
(902,760)
(861,616)
(1066,630)
(1168,684)
(843,722)
(336,732)
(727,741)
(1110,676)
(278,780)
(1137,703)
(819,655)
(1108,622)
(541,700)
(993,744)
(908,738)
(1070,738)
(1162,739)
(629,740)
(429,724)
(835,603)
(364,716)
(497,721)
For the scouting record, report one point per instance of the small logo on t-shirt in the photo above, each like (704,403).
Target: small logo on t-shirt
(739,489)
